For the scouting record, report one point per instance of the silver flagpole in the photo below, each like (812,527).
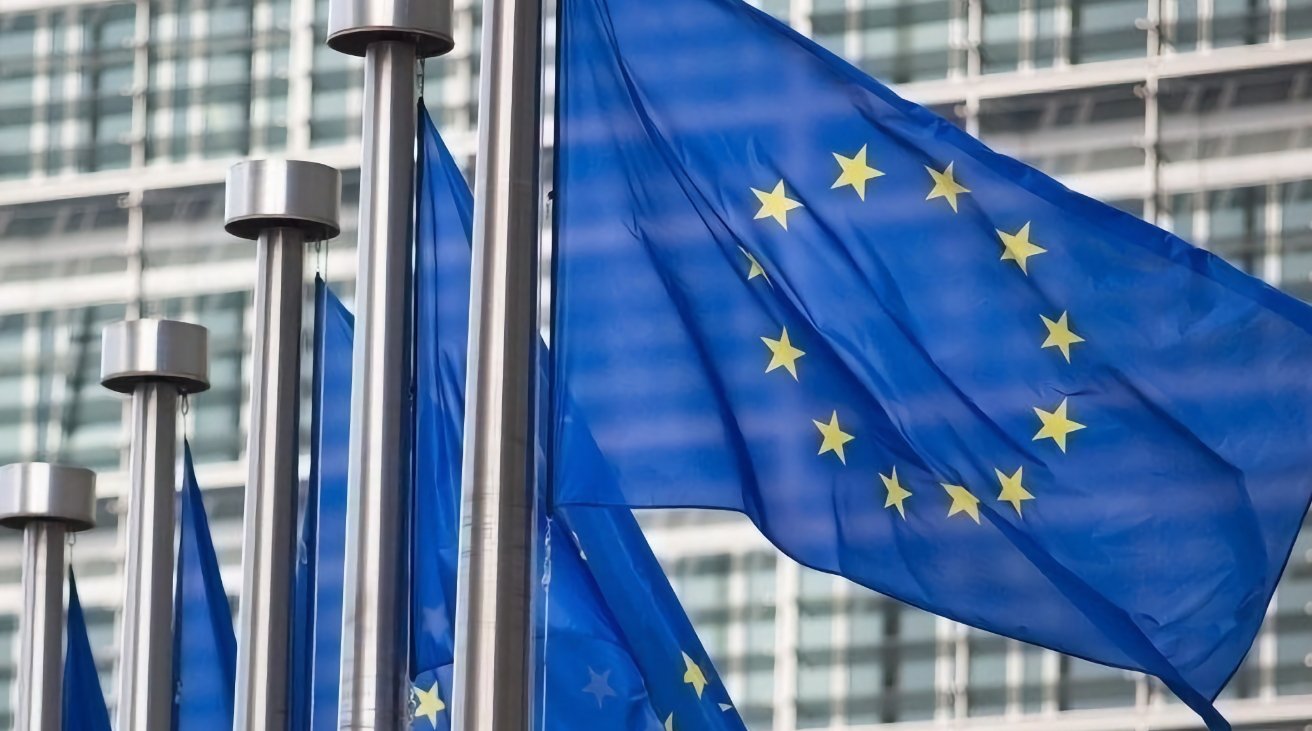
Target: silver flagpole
(492,677)
(46,502)
(391,35)
(281,204)
(155,361)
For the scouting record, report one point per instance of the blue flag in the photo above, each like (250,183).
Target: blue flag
(204,644)
(785,291)
(443,230)
(321,547)
(647,671)
(83,701)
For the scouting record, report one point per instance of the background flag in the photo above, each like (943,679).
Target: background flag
(204,644)
(785,291)
(599,673)
(320,569)
(83,701)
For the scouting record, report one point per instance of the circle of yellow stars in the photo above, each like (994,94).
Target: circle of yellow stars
(856,172)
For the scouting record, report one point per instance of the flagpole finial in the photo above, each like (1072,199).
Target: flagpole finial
(146,350)
(265,194)
(45,501)
(41,491)
(354,25)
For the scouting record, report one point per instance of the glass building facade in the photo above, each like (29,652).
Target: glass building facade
(118,119)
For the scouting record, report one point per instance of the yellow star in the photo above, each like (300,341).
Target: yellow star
(783,354)
(693,676)
(1012,491)
(428,704)
(776,204)
(855,172)
(1056,425)
(669,722)
(834,438)
(962,501)
(1060,335)
(945,186)
(896,493)
(1018,248)
(755,270)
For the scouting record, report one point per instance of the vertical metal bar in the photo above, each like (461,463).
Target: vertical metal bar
(787,622)
(493,616)
(1152,135)
(272,450)
(300,89)
(41,629)
(145,689)
(974,62)
(374,683)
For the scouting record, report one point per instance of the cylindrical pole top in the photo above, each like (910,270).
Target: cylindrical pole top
(264,194)
(355,24)
(137,351)
(41,491)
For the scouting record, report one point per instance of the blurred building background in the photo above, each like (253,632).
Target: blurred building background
(118,119)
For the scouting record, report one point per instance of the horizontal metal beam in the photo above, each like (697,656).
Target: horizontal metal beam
(161,176)
(162,283)
(1108,73)
(1174,717)
(1189,176)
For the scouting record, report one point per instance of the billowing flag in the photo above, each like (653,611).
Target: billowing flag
(643,672)
(204,644)
(83,706)
(914,362)
(321,547)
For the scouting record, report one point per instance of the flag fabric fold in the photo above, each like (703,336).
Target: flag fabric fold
(83,701)
(204,643)
(595,669)
(321,546)
(782,290)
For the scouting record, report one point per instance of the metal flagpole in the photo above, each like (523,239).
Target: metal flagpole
(46,502)
(155,361)
(492,683)
(281,204)
(391,35)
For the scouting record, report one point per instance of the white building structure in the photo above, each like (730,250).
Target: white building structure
(118,119)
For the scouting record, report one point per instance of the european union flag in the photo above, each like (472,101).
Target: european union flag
(644,671)
(321,546)
(914,362)
(204,643)
(83,703)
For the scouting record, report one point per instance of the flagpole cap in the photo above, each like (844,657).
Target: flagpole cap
(32,491)
(146,350)
(355,24)
(265,194)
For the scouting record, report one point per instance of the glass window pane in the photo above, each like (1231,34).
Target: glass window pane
(1001,43)
(17,73)
(1105,29)
(902,40)
(1240,22)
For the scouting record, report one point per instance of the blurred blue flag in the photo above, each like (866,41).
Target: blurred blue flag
(321,547)
(785,291)
(204,644)
(647,671)
(83,706)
